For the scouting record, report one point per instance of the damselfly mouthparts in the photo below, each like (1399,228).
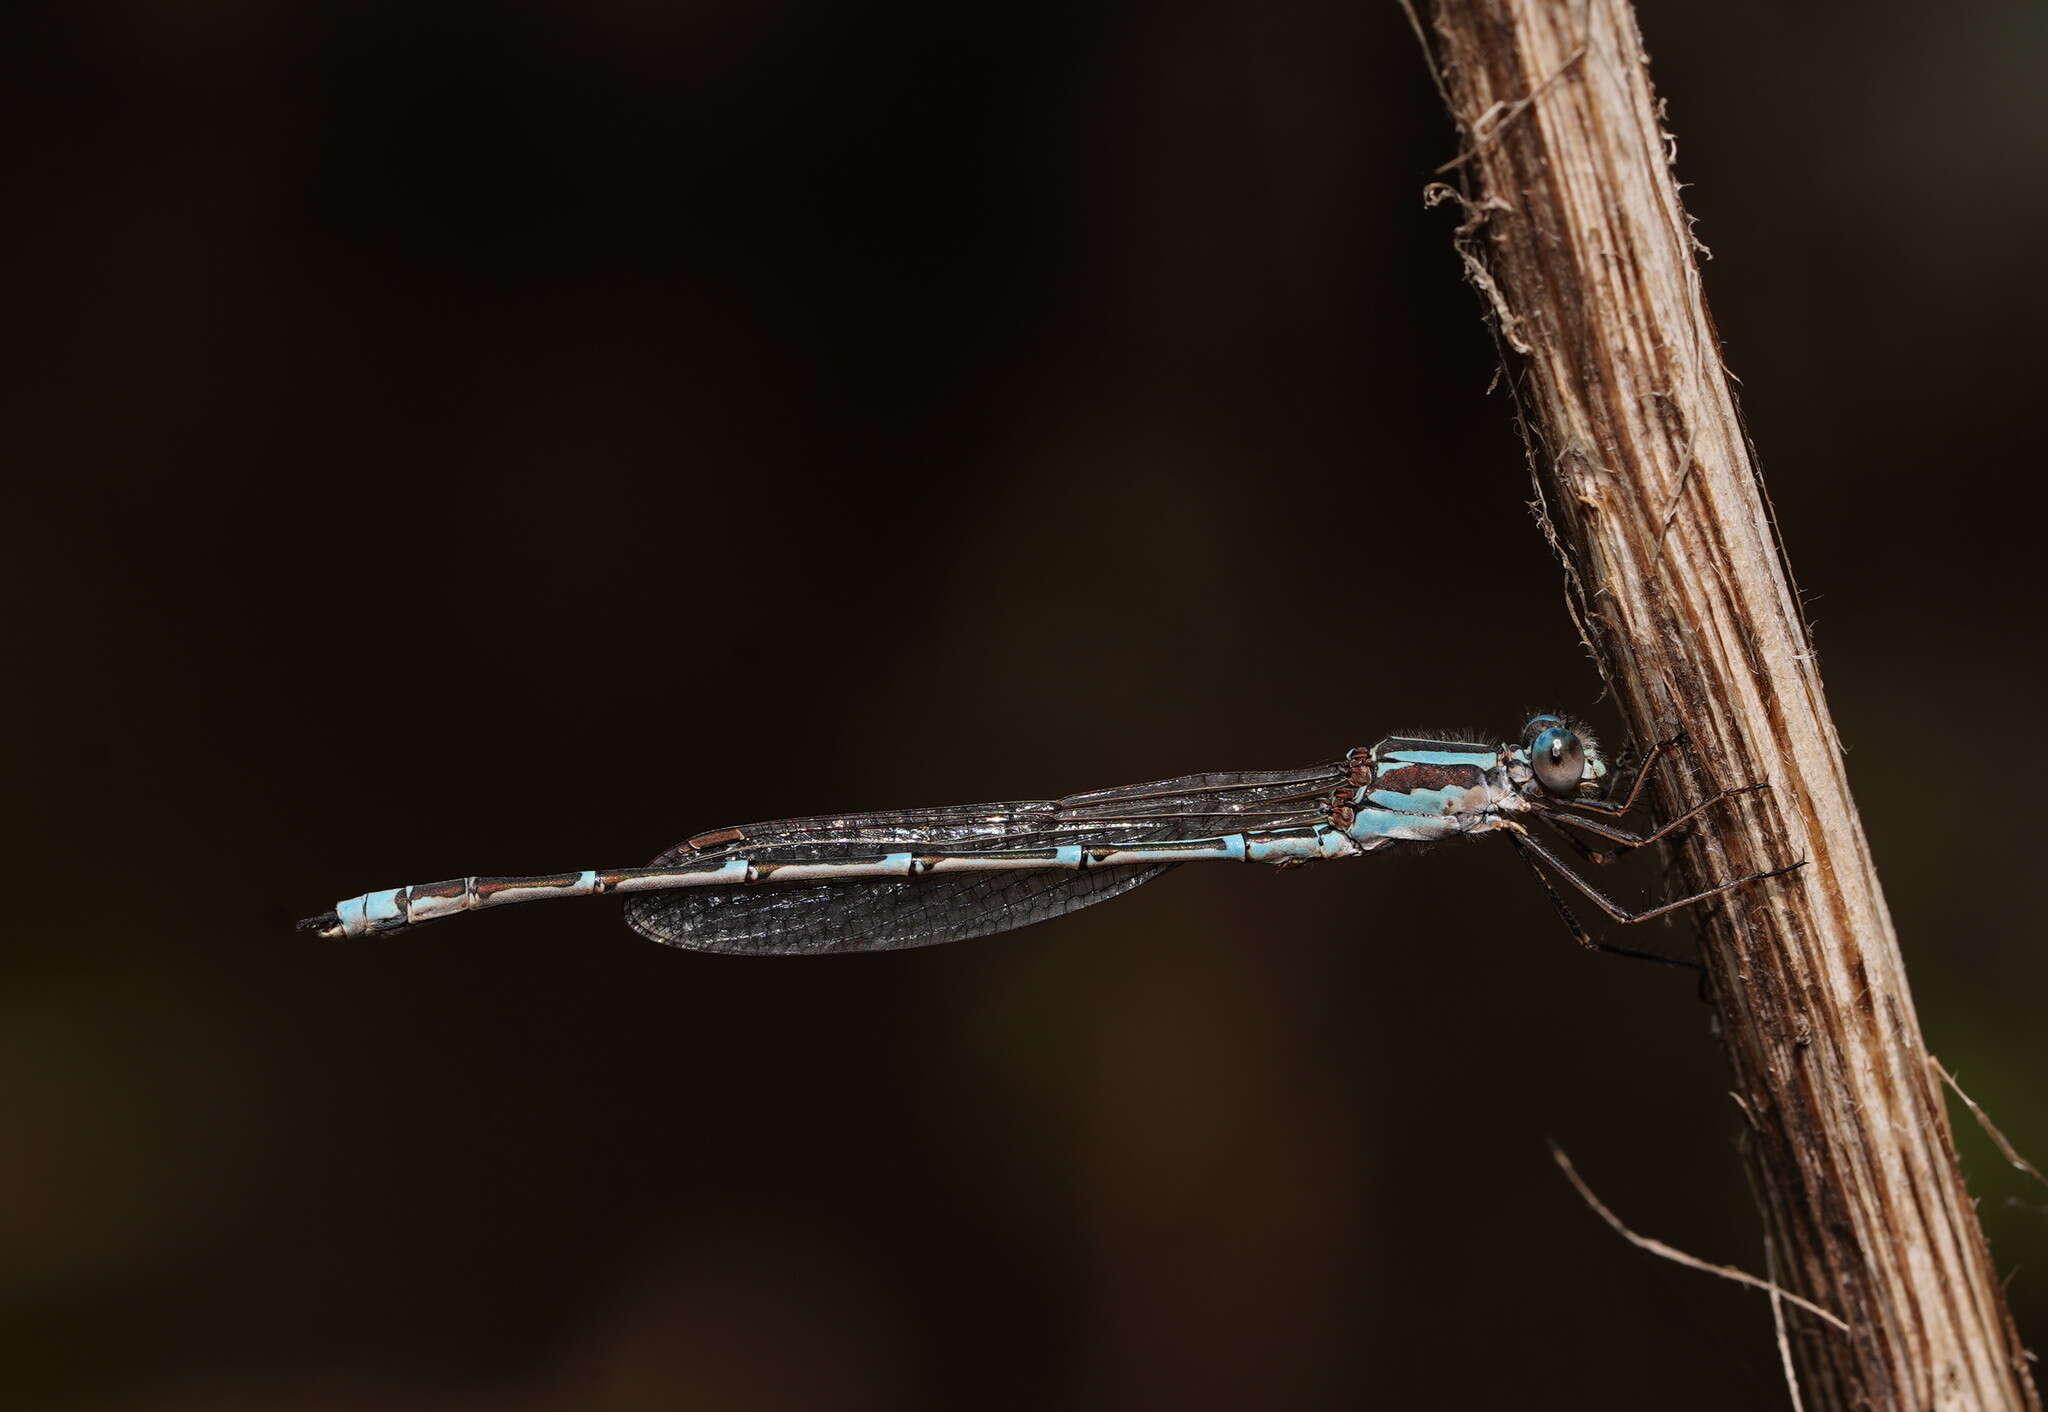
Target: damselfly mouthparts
(915,877)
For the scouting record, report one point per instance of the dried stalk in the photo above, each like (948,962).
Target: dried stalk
(1647,485)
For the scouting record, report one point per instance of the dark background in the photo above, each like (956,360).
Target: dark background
(450,438)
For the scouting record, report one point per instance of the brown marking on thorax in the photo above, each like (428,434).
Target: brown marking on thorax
(1410,777)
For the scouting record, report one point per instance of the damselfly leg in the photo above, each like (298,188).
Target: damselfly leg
(1625,915)
(1579,933)
(1624,839)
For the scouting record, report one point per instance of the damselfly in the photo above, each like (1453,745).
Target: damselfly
(916,877)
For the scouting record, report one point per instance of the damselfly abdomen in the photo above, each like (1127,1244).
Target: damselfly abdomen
(916,877)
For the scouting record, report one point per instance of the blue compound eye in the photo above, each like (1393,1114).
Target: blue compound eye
(1559,760)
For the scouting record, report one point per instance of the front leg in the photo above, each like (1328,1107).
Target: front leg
(1624,839)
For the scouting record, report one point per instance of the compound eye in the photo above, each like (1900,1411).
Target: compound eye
(1539,724)
(1559,761)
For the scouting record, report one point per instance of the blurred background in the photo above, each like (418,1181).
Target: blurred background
(454,438)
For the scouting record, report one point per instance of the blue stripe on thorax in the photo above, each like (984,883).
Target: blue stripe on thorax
(1370,825)
(1424,755)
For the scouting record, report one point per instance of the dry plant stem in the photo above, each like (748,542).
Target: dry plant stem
(1576,238)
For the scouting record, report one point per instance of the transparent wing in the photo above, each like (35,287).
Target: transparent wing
(886,914)
(806,919)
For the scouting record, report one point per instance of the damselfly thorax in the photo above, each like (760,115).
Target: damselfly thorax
(916,877)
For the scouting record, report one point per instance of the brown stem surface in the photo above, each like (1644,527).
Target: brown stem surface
(1647,484)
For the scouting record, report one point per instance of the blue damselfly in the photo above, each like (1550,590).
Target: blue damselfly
(916,877)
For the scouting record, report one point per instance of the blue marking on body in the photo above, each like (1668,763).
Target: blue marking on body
(382,906)
(1484,759)
(1451,799)
(1291,843)
(1369,825)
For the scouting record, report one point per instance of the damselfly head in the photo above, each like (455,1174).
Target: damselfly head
(1564,758)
